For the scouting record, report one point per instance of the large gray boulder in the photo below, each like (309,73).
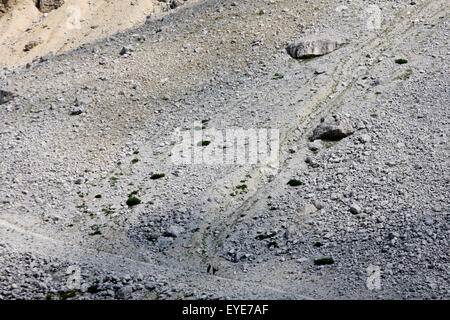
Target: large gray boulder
(332,128)
(313,47)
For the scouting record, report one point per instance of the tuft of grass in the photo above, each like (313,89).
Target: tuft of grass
(136,152)
(107,212)
(323,261)
(294,183)
(68,294)
(156,176)
(277,76)
(204,143)
(133,201)
(133,193)
(265,236)
(113,180)
(272,244)
(135,160)
(401,61)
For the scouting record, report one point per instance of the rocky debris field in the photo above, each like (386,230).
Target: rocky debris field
(95,205)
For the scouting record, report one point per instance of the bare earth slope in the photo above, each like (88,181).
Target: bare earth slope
(75,23)
(87,129)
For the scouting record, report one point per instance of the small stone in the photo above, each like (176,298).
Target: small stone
(314,146)
(355,209)
(174,231)
(365,138)
(308,209)
(124,292)
(30,45)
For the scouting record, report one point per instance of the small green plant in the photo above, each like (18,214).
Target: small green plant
(401,61)
(156,176)
(135,160)
(98,196)
(323,261)
(68,294)
(107,212)
(136,152)
(265,236)
(132,193)
(294,183)
(133,201)
(242,187)
(272,244)
(277,76)
(204,143)
(113,180)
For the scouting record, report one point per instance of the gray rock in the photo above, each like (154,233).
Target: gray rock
(174,231)
(365,138)
(46,6)
(30,45)
(5,96)
(313,47)
(82,100)
(355,209)
(332,128)
(126,51)
(124,292)
(314,146)
(176,3)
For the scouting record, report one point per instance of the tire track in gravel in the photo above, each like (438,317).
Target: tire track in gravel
(213,234)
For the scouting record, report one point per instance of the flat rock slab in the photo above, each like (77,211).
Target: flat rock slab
(313,47)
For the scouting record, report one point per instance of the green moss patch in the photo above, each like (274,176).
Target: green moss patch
(294,183)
